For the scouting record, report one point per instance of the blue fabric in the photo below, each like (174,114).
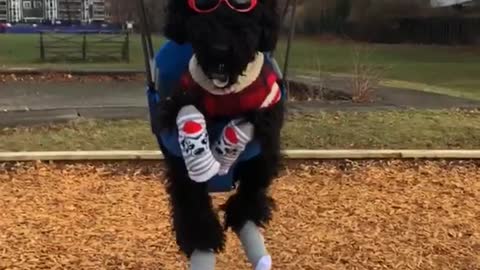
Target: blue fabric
(171,62)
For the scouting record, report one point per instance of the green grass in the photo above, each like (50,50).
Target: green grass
(373,130)
(23,51)
(455,69)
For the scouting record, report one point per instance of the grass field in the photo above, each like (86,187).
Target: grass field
(396,130)
(448,70)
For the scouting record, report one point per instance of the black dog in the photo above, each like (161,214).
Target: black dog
(224,42)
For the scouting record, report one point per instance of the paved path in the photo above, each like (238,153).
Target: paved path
(27,102)
(19,96)
(396,98)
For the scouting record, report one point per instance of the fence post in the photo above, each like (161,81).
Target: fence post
(42,47)
(84,47)
(126,53)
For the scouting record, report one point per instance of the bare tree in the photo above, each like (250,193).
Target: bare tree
(126,10)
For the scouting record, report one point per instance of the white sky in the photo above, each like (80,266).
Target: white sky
(444,3)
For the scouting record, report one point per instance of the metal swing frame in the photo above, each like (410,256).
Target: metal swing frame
(220,184)
(147,44)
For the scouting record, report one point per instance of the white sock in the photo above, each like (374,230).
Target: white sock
(202,260)
(228,148)
(265,263)
(254,246)
(194,142)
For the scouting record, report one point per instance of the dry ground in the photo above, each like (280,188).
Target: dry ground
(334,215)
(56,77)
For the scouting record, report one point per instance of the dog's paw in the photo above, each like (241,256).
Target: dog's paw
(265,263)
(207,175)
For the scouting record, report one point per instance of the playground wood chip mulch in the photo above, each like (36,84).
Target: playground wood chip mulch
(332,215)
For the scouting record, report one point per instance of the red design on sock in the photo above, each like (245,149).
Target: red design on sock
(231,135)
(192,127)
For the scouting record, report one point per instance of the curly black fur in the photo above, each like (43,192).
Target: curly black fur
(266,15)
(243,34)
(251,202)
(195,223)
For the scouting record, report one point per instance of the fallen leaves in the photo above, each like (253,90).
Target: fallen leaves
(67,77)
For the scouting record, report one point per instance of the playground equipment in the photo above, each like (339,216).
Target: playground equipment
(164,69)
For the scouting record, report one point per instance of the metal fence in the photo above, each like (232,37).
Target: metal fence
(84,47)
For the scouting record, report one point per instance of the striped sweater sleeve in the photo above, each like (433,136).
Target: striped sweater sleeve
(275,94)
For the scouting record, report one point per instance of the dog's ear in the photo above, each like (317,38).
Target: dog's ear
(270,25)
(177,13)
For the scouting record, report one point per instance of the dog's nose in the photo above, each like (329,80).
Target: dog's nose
(220,50)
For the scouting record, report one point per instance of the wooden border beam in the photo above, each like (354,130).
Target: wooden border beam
(299,154)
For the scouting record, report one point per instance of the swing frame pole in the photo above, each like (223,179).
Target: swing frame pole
(291,34)
(147,45)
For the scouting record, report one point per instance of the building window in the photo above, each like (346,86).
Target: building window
(37,4)
(27,5)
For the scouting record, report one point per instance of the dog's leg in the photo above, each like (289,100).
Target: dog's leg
(251,208)
(198,231)
(254,246)
(232,142)
(202,260)
(194,142)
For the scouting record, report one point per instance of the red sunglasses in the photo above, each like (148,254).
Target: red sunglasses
(206,6)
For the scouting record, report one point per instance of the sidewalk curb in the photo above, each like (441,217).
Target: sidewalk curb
(61,115)
(81,72)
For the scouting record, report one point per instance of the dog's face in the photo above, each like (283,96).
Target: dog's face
(224,40)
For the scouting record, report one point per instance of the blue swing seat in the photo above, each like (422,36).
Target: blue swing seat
(171,61)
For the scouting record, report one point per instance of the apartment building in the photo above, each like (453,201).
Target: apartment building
(85,11)
(3,10)
(51,10)
(33,10)
(70,10)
